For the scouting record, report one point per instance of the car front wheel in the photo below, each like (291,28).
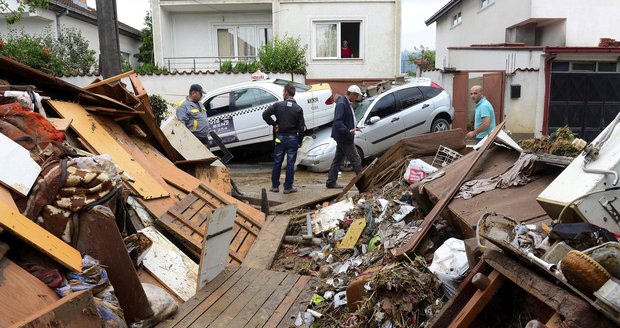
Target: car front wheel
(440,124)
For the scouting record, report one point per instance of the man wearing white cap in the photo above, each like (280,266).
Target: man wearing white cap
(343,131)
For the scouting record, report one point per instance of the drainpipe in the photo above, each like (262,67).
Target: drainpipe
(58,15)
(548,62)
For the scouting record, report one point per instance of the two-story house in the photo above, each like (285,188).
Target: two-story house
(199,34)
(543,63)
(76,14)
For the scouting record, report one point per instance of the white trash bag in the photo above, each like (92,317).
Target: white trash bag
(418,170)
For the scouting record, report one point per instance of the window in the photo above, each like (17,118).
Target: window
(386,106)
(583,67)
(337,40)
(430,92)
(218,104)
(246,98)
(560,66)
(409,97)
(456,19)
(242,41)
(607,67)
(486,3)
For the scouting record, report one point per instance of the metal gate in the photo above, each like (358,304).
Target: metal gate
(585,102)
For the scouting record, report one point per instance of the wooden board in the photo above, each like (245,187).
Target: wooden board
(21,294)
(6,198)
(184,141)
(32,233)
(217,241)
(477,302)
(77,310)
(266,245)
(170,266)
(61,124)
(246,298)
(18,171)
(88,128)
(306,200)
(188,218)
(353,234)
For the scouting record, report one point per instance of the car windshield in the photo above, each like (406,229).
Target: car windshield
(361,108)
(298,86)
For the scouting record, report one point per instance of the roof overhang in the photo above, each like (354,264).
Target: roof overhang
(558,50)
(442,11)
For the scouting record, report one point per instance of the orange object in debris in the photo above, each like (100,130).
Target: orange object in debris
(31,123)
(356,291)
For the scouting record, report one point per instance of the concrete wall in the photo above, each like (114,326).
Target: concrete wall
(495,59)
(520,113)
(379,36)
(475,26)
(174,87)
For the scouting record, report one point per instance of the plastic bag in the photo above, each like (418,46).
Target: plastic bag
(417,170)
(162,304)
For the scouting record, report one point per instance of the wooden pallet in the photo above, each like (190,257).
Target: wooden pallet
(244,297)
(188,219)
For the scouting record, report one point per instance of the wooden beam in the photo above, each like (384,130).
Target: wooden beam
(430,218)
(108,80)
(266,245)
(32,233)
(477,302)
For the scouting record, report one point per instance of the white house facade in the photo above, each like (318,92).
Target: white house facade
(557,68)
(75,14)
(198,35)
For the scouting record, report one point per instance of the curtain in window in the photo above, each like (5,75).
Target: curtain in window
(225,45)
(246,46)
(265,35)
(326,40)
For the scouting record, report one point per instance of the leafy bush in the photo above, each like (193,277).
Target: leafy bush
(242,66)
(160,107)
(283,55)
(72,48)
(146,54)
(226,66)
(12,15)
(148,68)
(125,65)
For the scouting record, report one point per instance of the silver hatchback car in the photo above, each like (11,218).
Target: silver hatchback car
(408,110)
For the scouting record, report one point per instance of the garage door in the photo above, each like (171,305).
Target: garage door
(585,102)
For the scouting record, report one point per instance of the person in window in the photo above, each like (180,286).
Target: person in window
(191,112)
(346,52)
(343,131)
(289,129)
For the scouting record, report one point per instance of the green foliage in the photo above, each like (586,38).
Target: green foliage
(72,48)
(125,65)
(12,15)
(30,50)
(242,66)
(226,66)
(160,107)
(148,68)
(283,55)
(424,56)
(146,54)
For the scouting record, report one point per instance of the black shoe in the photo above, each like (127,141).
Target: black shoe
(290,190)
(334,186)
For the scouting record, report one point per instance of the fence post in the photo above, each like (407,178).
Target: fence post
(168,64)
(194,60)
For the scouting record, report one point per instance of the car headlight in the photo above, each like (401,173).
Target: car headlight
(318,150)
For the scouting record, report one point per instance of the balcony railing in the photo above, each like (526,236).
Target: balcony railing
(193,64)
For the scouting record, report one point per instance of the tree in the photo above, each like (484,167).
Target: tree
(283,55)
(146,55)
(423,57)
(72,49)
(12,15)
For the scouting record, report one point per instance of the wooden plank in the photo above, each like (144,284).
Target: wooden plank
(213,297)
(6,198)
(22,293)
(77,310)
(110,111)
(263,284)
(33,234)
(430,218)
(61,124)
(355,179)
(267,243)
(147,278)
(216,245)
(170,266)
(108,80)
(477,302)
(228,297)
(300,304)
(306,200)
(104,143)
(353,234)
(197,299)
(273,293)
(287,302)
(18,171)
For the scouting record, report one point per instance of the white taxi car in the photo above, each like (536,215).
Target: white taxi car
(235,112)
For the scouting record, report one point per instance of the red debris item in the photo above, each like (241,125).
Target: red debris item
(33,124)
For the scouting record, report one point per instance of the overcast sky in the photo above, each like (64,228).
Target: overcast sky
(414,13)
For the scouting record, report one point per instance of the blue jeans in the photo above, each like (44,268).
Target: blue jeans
(288,145)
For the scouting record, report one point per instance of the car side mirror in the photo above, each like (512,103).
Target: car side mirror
(374,120)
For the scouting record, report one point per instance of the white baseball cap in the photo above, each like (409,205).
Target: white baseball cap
(355,89)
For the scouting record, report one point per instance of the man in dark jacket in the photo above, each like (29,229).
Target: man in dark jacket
(289,132)
(343,131)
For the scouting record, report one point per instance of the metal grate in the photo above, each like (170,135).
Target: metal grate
(444,157)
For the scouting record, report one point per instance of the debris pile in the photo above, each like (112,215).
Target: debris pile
(559,143)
